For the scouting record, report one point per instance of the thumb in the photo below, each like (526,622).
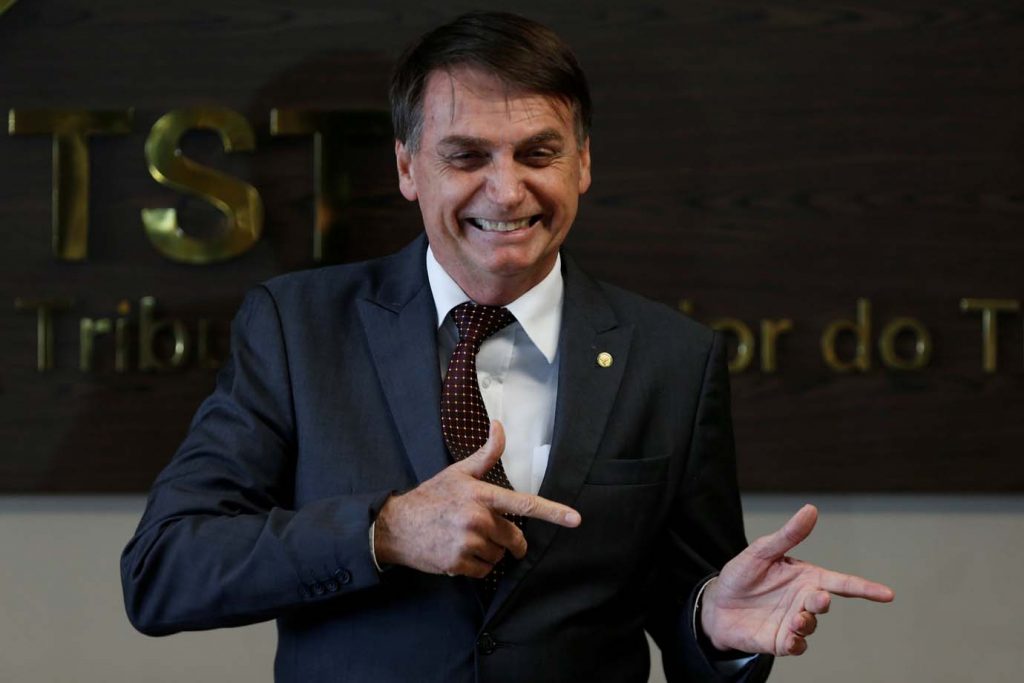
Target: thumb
(792,533)
(484,459)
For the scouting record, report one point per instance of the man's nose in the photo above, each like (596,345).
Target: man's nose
(505,186)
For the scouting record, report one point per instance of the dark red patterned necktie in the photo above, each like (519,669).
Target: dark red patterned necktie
(464,421)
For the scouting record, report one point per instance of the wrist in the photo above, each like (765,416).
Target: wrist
(706,609)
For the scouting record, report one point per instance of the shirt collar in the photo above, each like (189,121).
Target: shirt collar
(538,311)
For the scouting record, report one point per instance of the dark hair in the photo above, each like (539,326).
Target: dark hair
(524,54)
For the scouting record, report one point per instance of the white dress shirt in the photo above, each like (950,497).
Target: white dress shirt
(517,368)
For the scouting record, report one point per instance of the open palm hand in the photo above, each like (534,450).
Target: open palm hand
(767,602)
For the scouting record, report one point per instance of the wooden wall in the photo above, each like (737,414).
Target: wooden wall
(762,160)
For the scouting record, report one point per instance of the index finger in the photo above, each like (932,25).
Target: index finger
(526,505)
(850,586)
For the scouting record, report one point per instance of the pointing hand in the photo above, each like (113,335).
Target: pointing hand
(454,523)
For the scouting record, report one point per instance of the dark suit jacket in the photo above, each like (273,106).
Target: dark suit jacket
(330,402)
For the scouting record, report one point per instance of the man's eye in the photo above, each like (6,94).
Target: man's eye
(539,155)
(466,158)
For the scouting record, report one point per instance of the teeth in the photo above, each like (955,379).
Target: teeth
(500,226)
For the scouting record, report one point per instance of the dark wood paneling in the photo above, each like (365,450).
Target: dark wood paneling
(762,160)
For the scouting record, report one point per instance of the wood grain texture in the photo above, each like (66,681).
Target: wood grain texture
(762,160)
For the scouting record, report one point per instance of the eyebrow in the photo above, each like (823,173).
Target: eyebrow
(546,135)
(462,141)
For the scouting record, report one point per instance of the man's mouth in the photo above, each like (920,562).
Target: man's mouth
(503,226)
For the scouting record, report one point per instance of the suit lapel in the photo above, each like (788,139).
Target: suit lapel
(400,322)
(586,394)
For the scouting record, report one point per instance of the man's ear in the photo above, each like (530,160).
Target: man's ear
(406,182)
(585,166)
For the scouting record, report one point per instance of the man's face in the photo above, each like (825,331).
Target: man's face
(498,176)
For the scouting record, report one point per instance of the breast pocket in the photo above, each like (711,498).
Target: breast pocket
(617,472)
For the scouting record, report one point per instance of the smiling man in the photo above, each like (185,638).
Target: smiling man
(469,461)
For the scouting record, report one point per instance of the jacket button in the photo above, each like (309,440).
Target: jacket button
(318,588)
(332,586)
(486,643)
(342,576)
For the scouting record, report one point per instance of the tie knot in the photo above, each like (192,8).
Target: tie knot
(476,323)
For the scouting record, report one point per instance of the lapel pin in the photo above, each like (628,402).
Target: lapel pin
(604,359)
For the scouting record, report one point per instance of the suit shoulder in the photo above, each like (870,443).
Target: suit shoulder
(655,321)
(348,281)
(322,277)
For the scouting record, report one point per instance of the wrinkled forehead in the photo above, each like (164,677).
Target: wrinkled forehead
(471,97)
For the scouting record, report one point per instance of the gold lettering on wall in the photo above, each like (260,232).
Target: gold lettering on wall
(88,329)
(70,129)
(861,330)
(990,310)
(770,331)
(163,344)
(167,344)
(744,341)
(44,309)
(922,344)
(237,200)
(124,308)
(150,328)
(333,132)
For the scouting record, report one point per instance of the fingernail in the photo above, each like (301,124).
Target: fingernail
(572,517)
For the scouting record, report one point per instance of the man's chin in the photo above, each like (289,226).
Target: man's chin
(516,263)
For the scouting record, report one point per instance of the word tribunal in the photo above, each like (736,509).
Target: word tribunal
(163,344)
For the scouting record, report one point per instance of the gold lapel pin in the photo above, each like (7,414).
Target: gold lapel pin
(604,359)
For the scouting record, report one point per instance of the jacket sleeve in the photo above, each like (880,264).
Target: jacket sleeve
(705,532)
(220,543)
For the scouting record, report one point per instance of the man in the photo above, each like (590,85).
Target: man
(317,484)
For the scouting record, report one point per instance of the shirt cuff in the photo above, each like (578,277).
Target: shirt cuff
(696,603)
(373,552)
